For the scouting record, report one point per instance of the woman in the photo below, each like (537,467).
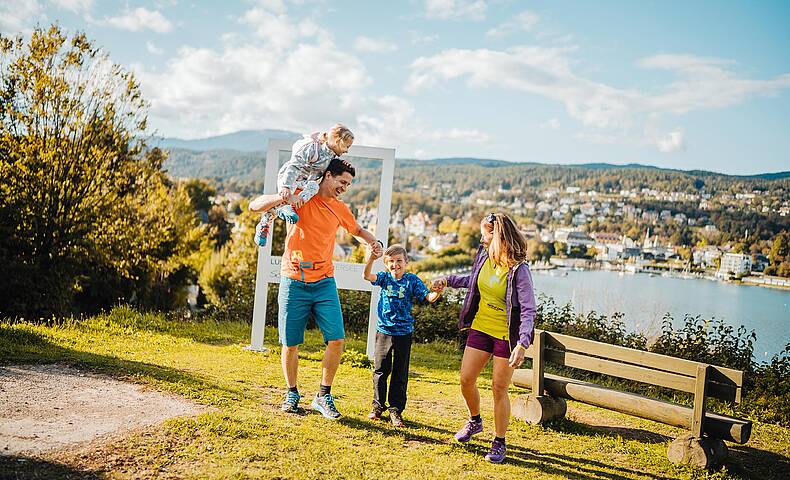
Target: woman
(499,314)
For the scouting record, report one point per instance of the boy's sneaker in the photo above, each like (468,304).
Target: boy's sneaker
(396,419)
(497,453)
(375,413)
(471,428)
(291,402)
(326,406)
(262,230)
(287,213)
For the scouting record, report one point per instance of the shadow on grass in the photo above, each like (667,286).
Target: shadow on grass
(750,462)
(24,468)
(562,465)
(565,425)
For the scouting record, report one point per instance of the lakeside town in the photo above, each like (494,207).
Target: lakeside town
(573,228)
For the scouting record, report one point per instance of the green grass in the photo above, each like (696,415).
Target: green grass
(244,435)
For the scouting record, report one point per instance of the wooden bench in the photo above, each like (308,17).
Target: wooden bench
(704,446)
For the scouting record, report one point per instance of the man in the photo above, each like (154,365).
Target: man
(307,283)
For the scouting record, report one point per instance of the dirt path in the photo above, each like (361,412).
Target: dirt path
(50,407)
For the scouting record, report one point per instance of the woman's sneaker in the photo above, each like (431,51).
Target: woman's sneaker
(326,406)
(291,402)
(497,453)
(472,427)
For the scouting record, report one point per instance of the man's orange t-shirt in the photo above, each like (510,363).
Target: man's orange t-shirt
(310,242)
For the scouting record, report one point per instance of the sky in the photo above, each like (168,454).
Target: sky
(675,84)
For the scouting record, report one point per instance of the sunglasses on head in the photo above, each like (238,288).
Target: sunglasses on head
(490,218)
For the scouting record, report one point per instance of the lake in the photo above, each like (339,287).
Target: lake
(645,299)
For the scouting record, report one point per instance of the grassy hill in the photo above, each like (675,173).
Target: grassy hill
(245,435)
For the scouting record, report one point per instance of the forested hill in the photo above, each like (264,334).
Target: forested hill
(243,171)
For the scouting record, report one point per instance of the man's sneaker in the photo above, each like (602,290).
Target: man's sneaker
(396,419)
(497,453)
(375,413)
(287,213)
(262,230)
(291,402)
(326,406)
(472,427)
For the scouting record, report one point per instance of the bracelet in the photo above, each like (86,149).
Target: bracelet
(379,242)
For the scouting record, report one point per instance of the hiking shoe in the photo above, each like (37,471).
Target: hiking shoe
(262,230)
(326,406)
(396,419)
(287,213)
(291,402)
(375,413)
(497,453)
(471,428)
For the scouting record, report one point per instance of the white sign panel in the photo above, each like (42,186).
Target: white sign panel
(347,275)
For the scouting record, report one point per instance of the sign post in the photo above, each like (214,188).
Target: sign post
(347,275)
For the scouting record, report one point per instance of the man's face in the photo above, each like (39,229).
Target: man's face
(336,186)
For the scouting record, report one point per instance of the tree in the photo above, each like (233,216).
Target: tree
(87,216)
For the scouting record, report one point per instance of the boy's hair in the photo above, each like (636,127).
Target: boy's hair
(508,246)
(396,250)
(337,167)
(341,132)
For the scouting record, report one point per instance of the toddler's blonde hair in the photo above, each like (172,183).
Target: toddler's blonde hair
(342,133)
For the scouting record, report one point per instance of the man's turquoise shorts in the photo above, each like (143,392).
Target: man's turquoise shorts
(298,299)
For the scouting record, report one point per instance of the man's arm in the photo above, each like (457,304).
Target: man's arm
(368,239)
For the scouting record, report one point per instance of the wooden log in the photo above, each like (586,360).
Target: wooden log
(538,409)
(701,452)
(716,426)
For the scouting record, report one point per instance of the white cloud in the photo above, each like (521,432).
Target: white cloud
(552,123)
(153,49)
(603,110)
(522,22)
(456,9)
(672,142)
(367,44)
(76,6)
(418,38)
(473,136)
(140,19)
(19,16)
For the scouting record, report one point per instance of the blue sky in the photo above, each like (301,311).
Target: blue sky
(673,84)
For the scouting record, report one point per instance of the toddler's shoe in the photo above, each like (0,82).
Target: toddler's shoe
(287,213)
(262,230)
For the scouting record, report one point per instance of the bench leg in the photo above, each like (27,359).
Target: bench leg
(538,409)
(702,452)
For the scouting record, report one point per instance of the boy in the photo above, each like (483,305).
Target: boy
(393,330)
(309,158)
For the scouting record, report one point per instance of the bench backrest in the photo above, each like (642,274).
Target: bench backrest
(628,363)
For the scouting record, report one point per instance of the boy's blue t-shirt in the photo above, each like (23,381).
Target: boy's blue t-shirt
(395,301)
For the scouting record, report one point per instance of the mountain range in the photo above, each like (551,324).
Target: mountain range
(241,154)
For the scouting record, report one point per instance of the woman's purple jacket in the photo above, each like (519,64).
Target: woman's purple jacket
(519,300)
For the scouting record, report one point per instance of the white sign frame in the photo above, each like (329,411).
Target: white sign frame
(347,275)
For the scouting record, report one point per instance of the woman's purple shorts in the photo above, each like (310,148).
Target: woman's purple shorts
(485,342)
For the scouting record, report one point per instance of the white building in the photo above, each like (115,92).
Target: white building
(734,264)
